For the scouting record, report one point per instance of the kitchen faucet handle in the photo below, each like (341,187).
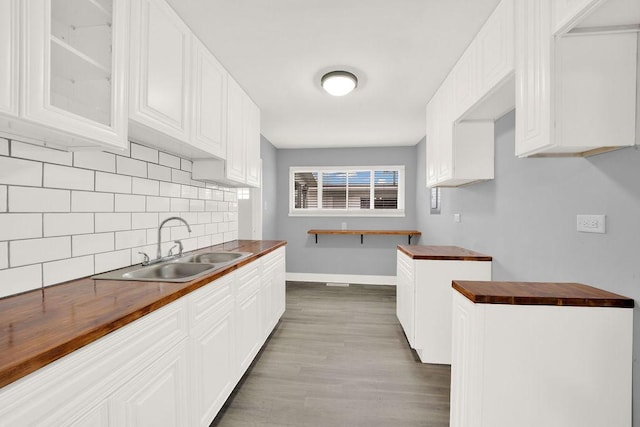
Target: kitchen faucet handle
(180,247)
(146,259)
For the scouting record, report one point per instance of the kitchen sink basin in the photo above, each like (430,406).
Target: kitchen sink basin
(215,257)
(183,269)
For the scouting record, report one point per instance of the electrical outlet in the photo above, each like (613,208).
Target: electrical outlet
(591,223)
(456,217)
(344,225)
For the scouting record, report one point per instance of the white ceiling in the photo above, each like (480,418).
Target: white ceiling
(277,50)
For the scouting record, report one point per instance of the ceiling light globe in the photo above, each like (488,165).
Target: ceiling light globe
(339,83)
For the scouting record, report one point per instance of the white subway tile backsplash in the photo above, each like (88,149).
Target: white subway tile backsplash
(3,198)
(230,196)
(145,186)
(144,220)
(203,218)
(169,189)
(17,280)
(87,244)
(67,269)
(141,152)
(56,176)
(42,154)
(179,205)
(205,193)
(127,166)
(211,228)
(113,183)
(86,201)
(161,173)
(169,160)
(180,177)
(196,205)
(20,172)
(28,199)
(96,160)
(62,224)
(130,203)
(4,255)
(20,226)
(189,192)
(158,204)
(112,221)
(130,239)
(116,202)
(112,260)
(23,252)
(229,236)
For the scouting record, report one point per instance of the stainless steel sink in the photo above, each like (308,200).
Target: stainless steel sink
(183,269)
(215,257)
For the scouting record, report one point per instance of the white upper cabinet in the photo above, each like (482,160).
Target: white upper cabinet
(160,72)
(236,167)
(74,71)
(567,12)
(9,54)
(209,99)
(576,93)
(252,143)
(460,115)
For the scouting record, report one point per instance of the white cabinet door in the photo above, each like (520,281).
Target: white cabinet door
(160,69)
(155,397)
(75,69)
(534,52)
(236,153)
(405,295)
(248,315)
(445,134)
(567,12)
(495,47)
(252,142)
(432,137)
(465,81)
(97,416)
(213,356)
(209,95)
(9,56)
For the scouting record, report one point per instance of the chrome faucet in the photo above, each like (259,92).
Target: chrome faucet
(159,252)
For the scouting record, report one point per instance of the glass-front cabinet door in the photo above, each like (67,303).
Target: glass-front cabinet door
(76,62)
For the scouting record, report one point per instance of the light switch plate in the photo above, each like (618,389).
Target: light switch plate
(591,223)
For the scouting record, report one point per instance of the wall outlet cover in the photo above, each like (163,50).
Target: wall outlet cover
(456,217)
(591,223)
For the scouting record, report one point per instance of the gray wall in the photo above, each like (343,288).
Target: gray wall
(526,219)
(268,154)
(343,254)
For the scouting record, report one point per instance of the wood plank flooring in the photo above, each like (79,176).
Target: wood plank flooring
(339,357)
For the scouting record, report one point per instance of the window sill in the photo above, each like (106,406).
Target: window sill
(351,214)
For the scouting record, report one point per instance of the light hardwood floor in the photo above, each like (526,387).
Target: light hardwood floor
(338,357)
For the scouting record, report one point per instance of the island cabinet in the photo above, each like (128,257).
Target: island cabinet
(424,275)
(540,354)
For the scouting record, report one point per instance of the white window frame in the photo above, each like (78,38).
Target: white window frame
(346,212)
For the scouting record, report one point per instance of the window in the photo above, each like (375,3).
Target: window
(347,191)
(244,194)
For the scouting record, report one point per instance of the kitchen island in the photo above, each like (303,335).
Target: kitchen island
(540,354)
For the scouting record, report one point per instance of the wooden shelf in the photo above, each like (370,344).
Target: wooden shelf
(408,233)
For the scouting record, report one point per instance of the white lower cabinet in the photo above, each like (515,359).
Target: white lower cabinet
(540,365)
(424,300)
(173,367)
(273,290)
(248,314)
(157,396)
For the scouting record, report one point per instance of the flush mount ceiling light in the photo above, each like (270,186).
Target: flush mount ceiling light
(339,83)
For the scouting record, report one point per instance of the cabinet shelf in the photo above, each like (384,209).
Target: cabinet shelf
(70,63)
(82,13)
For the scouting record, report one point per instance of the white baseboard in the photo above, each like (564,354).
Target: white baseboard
(342,278)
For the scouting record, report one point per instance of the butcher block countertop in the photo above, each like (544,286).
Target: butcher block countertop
(444,253)
(43,325)
(540,293)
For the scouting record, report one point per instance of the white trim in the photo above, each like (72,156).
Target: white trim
(349,213)
(342,278)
